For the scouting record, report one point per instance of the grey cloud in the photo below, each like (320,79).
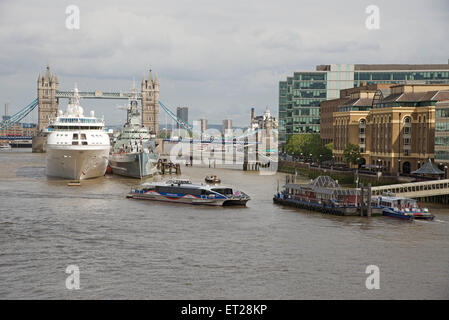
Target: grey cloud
(218,57)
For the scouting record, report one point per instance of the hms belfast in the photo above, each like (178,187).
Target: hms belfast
(133,153)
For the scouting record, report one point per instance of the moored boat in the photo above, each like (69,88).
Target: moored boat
(133,153)
(184,191)
(5,147)
(77,145)
(212,178)
(402,208)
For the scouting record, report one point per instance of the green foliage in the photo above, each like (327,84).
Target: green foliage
(302,145)
(165,134)
(326,152)
(344,178)
(351,154)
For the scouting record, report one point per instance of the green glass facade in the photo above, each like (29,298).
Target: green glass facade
(299,100)
(373,77)
(442,132)
(301,94)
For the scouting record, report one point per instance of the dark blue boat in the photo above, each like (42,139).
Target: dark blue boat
(402,208)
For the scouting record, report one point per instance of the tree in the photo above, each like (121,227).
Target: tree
(351,154)
(326,152)
(164,134)
(305,144)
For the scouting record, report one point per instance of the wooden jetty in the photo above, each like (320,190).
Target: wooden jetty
(168,167)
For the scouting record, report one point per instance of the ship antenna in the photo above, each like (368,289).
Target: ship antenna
(76,95)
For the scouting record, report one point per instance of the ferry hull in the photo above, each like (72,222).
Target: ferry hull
(77,164)
(390,213)
(423,217)
(176,199)
(235,202)
(135,165)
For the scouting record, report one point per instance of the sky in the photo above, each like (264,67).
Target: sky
(219,58)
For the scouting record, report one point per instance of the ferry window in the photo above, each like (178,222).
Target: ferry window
(192,191)
(84,143)
(75,143)
(83,136)
(223,190)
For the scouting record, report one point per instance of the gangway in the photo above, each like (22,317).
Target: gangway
(420,189)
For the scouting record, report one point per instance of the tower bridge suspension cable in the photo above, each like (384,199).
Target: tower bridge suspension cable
(17,117)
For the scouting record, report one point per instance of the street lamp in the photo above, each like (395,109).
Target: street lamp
(445,172)
(399,169)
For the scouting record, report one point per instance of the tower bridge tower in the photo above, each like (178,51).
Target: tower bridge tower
(47,85)
(150,103)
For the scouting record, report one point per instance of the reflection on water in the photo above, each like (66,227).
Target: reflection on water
(141,249)
(31,172)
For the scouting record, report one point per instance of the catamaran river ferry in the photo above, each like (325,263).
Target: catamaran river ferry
(184,191)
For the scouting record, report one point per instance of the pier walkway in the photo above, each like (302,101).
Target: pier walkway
(421,189)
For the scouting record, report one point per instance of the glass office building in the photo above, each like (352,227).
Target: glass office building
(442,132)
(301,94)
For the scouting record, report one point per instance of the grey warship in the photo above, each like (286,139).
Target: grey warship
(133,153)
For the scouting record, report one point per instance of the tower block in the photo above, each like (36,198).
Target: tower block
(150,103)
(47,85)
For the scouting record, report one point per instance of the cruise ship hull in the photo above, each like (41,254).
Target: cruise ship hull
(135,165)
(77,163)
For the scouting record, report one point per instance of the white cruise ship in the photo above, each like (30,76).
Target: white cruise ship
(77,146)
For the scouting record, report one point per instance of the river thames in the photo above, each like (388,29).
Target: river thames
(135,249)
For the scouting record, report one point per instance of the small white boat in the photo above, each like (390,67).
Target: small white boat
(212,178)
(5,147)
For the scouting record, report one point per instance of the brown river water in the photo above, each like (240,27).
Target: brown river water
(138,249)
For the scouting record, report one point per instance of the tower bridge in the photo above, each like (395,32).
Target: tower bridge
(49,95)
(97,95)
